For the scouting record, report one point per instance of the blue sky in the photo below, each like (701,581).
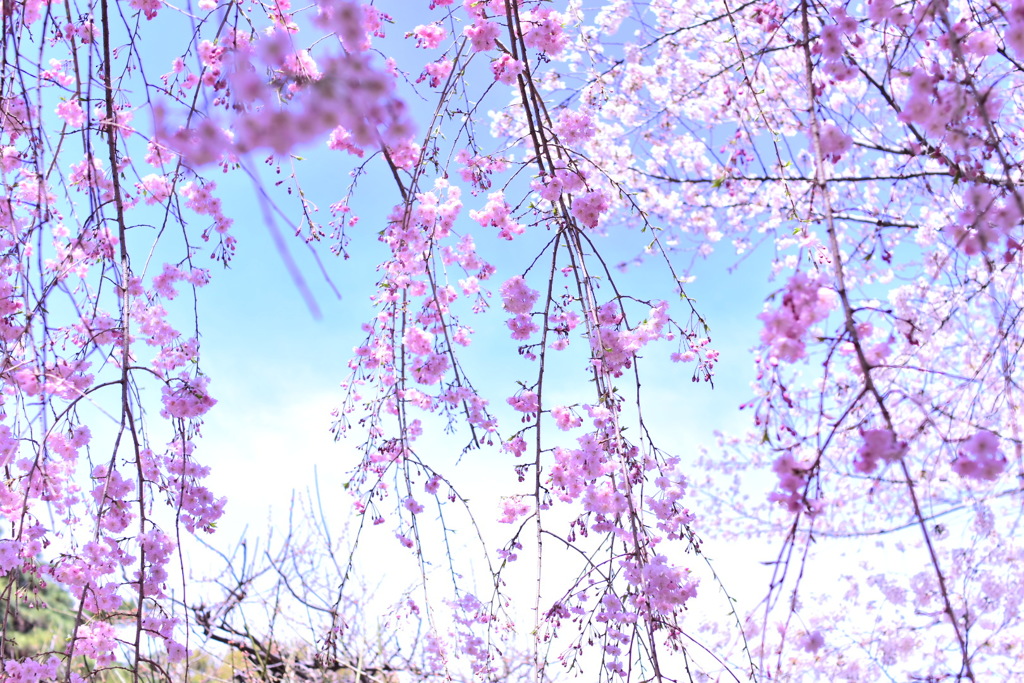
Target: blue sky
(276,369)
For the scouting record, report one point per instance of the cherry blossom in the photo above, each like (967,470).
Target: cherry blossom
(550,212)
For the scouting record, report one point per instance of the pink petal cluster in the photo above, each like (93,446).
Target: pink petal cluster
(483,35)
(525,402)
(664,587)
(72,113)
(792,484)
(149,7)
(507,69)
(429,36)
(984,222)
(516,297)
(544,30)
(565,418)
(564,180)
(588,208)
(437,72)
(830,45)
(477,169)
(980,458)
(512,508)
(614,348)
(834,142)
(305,100)
(576,469)
(158,188)
(496,213)
(32,671)
(805,301)
(186,398)
(880,445)
(575,127)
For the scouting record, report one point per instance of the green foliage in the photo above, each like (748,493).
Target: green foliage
(35,616)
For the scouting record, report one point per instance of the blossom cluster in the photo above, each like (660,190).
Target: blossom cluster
(613,347)
(343,92)
(604,474)
(410,346)
(980,457)
(805,301)
(792,486)
(496,213)
(830,45)
(879,445)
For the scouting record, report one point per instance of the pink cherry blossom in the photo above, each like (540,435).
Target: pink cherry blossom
(482,35)
(589,207)
(72,113)
(517,297)
(429,36)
